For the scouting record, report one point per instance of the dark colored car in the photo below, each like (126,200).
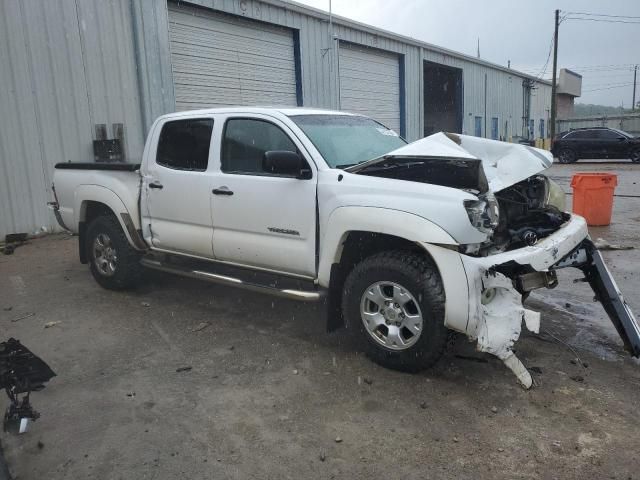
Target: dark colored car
(595,142)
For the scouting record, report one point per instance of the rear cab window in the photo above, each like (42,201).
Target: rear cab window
(184,144)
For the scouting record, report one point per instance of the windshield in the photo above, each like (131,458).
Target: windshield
(345,140)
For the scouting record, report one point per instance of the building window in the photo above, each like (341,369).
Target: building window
(532,128)
(542,135)
(477,126)
(184,144)
(494,128)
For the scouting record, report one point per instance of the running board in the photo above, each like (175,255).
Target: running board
(209,276)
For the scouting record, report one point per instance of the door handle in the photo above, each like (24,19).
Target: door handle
(155,185)
(221,191)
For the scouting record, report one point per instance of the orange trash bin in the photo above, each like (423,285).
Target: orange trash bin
(593,196)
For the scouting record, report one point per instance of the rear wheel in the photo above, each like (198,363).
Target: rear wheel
(113,262)
(635,155)
(566,155)
(393,304)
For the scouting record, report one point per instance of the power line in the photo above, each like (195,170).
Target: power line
(609,88)
(546,64)
(608,84)
(600,15)
(600,20)
(592,67)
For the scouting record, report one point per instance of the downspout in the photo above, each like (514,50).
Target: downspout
(485,105)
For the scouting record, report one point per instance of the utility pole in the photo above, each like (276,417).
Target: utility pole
(633,103)
(554,83)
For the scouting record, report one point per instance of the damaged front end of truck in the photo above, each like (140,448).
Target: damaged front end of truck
(528,237)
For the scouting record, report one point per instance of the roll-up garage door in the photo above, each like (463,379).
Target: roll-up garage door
(370,83)
(223,60)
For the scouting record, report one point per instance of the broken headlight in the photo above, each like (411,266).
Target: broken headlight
(554,196)
(483,213)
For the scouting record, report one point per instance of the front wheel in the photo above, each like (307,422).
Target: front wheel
(114,263)
(566,155)
(635,155)
(393,304)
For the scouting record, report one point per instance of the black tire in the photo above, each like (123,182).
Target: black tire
(566,155)
(635,155)
(126,266)
(418,275)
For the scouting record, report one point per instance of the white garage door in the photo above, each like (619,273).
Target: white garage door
(370,84)
(221,60)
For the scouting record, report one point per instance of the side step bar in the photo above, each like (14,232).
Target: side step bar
(186,271)
(588,259)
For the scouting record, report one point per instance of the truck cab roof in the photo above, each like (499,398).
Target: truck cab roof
(287,111)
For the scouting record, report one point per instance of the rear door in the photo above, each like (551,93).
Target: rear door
(611,144)
(261,219)
(176,178)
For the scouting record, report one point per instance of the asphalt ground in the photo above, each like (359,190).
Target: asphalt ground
(182,379)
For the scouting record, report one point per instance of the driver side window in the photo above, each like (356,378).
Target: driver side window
(244,142)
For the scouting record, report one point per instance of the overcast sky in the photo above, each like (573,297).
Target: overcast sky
(521,32)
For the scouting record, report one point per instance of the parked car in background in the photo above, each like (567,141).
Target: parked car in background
(595,142)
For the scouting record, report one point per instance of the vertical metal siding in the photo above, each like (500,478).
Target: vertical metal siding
(70,64)
(66,65)
(629,123)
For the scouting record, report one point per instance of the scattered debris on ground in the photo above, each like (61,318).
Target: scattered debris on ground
(602,244)
(200,326)
(184,369)
(12,241)
(52,324)
(28,315)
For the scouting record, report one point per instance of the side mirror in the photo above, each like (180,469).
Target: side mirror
(286,163)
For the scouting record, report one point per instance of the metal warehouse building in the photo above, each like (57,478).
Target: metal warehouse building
(84,79)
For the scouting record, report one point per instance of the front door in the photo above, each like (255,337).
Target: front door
(261,219)
(176,211)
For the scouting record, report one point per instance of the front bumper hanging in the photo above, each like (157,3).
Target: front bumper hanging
(587,258)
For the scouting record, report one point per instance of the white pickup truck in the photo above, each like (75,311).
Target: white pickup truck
(402,242)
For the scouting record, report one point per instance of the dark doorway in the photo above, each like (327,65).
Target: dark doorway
(442,98)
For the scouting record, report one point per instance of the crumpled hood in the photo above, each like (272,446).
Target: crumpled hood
(504,164)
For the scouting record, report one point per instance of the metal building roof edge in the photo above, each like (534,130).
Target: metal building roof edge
(323,15)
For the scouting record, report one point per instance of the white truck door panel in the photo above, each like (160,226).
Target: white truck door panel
(261,219)
(176,188)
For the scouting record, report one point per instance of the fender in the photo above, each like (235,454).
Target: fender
(344,220)
(95,193)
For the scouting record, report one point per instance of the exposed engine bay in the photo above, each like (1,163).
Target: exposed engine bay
(529,211)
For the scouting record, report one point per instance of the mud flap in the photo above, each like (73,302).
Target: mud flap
(588,259)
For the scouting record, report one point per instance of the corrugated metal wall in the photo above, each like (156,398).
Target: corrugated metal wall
(71,64)
(66,66)
(319,64)
(629,123)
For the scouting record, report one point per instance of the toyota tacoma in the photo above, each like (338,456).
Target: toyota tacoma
(403,243)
